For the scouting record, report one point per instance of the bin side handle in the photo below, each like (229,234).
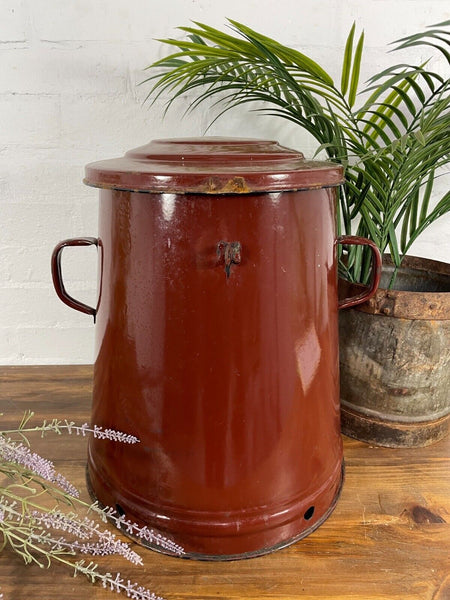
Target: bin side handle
(375,273)
(58,278)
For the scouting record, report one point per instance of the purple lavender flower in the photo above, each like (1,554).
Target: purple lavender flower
(116,583)
(57,426)
(146,534)
(100,433)
(35,529)
(85,529)
(132,590)
(14,452)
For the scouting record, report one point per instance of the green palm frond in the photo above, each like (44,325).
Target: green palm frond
(392,146)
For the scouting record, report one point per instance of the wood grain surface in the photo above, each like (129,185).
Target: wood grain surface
(389,536)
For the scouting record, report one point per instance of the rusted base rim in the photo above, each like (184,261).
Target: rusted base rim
(406,419)
(392,434)
(231,557)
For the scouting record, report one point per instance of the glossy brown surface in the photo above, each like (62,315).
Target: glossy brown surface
(230,382)
(217,342)
(386,540)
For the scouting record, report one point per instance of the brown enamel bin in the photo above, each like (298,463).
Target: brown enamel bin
(217,342)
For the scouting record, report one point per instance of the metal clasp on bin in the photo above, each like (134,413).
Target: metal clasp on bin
(231,254)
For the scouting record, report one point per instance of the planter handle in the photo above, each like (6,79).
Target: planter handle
(57,274)
(376,270)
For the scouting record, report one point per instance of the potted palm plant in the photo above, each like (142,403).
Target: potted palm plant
(393,141)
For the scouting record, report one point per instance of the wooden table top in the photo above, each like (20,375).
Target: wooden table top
(387,538)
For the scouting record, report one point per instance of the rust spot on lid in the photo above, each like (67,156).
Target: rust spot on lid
(236,185)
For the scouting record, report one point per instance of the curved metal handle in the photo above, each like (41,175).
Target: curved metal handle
(57,274)
(376,269)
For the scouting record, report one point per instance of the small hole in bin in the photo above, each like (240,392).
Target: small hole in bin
(119,510)
(309,513)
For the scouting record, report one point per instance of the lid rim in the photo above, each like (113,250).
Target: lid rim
(206,165)
(195,192)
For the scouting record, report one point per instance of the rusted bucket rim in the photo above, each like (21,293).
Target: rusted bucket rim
(423,305)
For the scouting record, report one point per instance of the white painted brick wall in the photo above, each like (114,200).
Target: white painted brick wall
(14,21)
(68,95)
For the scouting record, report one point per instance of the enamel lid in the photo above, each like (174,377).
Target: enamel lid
(212,165)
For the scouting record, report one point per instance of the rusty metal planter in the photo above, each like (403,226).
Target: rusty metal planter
(217,342)
(395,358)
